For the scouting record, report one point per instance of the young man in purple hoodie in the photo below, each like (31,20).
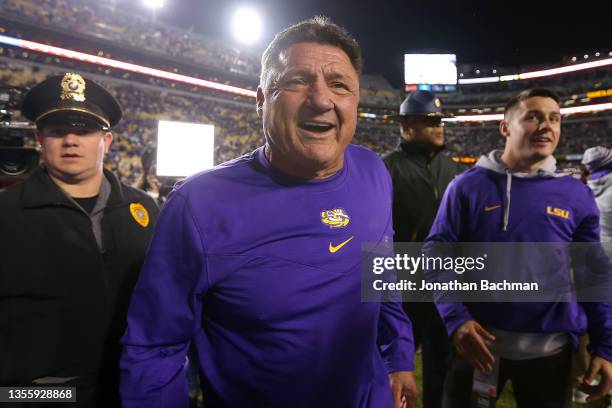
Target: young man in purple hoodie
(505,199)
(256,261)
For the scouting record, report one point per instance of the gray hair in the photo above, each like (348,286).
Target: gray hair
(318,29)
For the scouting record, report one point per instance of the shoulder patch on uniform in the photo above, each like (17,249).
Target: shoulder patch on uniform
(140,214)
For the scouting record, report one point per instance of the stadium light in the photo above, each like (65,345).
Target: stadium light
(499,116)
(154,4)
(173,76)
(479,80)
(543,73)
(246,25)
(126,66)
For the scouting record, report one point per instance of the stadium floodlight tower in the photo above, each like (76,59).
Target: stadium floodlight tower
(246,25)
(154,5)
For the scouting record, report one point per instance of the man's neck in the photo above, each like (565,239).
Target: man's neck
(521,166)
(297,171)
(80,189)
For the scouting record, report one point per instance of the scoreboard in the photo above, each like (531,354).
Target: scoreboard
(430,72)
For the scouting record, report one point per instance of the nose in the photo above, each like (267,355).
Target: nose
(545,123)
(70,139)
(319,97)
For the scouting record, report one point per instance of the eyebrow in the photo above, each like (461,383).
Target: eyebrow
(556,112)
(330,72)
(335,74)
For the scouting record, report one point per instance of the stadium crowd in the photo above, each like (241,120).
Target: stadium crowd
(148,99)
(497,93)
(140,33)
(237,127)
(96,19)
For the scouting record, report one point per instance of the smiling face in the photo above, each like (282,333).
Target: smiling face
(532,130)
(73,155)
(309,109)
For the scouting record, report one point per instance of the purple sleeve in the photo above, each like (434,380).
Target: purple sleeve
(599,314)
(163,312)
(447,228)
(395,340)
(588,228)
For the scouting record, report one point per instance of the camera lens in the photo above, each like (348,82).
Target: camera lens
(17,161)
(14,168)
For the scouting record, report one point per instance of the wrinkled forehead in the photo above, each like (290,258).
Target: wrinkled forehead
(315,56)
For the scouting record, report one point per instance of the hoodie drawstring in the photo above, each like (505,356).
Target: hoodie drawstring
(507,207)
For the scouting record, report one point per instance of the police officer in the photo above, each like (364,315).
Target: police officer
(420,174)
(72,240)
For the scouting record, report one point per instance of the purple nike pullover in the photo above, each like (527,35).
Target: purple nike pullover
(260,272)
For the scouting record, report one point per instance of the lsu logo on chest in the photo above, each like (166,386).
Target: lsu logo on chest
(336,218)
(557,212)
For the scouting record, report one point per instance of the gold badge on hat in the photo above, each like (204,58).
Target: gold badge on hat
(140,214)
(437,102)
(73,87)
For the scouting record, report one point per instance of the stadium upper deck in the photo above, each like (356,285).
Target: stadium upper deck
(164,97)
(136,38)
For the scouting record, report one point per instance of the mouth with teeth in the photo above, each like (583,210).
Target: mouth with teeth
(315,127)
(541,139)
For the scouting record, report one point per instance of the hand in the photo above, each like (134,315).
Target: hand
(404,389)
(600,366)
(469,342)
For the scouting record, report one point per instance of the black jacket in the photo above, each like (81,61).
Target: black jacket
(420,177)
(63,300)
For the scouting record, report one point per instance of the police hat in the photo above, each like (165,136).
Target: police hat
(421,103)
(69,99)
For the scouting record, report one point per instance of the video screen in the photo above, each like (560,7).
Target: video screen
(184,149)
(430,69)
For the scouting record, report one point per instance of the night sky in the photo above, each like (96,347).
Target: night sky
(506,33)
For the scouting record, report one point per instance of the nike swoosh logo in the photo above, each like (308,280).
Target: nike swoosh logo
(334,249)
(491,208)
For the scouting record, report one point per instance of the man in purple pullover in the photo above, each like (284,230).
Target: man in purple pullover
(508,197)
(257,261)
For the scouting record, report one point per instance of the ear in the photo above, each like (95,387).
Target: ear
(504,126)
(406,131)
(38,135)
(260,101)
(108,139)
